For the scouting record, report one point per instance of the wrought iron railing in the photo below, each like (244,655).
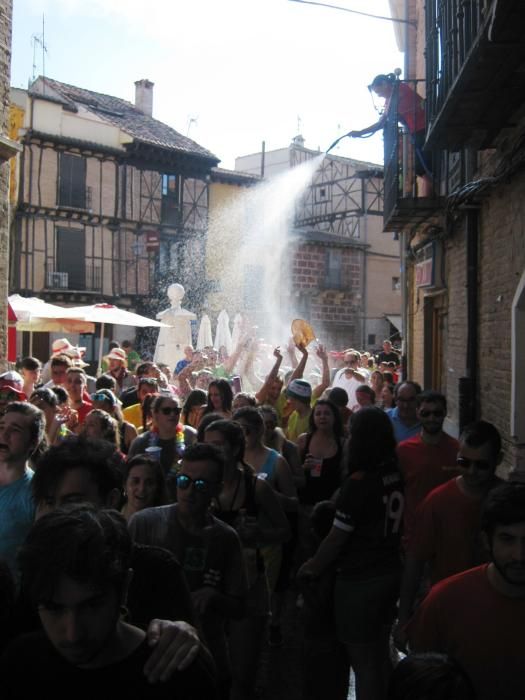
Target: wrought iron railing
(452,27)
(404,153)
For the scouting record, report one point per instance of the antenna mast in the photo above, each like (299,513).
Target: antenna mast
(39,40)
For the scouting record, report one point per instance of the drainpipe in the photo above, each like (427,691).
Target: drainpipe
(468,385)
(366,260)
(403,240)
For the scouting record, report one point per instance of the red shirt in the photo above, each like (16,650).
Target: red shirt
(411,108)
(448,532)
(423,468)
(465,617)
(83,410)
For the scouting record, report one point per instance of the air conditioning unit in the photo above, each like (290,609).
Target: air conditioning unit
(57,280)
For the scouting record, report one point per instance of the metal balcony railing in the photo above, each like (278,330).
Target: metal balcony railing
(474,70)
(406,198)
(452,26)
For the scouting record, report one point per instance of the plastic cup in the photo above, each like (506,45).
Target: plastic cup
(316,469)
(154,452)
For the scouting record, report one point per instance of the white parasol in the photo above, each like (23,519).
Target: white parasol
(237,330)
(35,315)
(107,313)
(204,338)
(223,334)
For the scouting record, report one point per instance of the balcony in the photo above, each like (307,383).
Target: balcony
(76,280)
(475,58)
(405,166)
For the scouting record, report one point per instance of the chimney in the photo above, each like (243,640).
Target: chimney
(144,96)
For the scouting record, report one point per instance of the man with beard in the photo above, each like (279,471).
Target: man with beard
(428,459)
(447,533)
(478,616)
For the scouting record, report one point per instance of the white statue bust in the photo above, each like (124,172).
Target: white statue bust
(172,341)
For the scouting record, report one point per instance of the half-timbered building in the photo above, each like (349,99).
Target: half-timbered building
(112,204)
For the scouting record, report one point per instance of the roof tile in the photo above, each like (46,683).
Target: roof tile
(126,116)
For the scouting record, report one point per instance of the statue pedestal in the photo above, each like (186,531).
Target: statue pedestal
(172,341)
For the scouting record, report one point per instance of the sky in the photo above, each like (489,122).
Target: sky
(228,73)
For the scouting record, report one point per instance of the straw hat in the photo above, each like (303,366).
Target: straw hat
(302,332)
(118,354)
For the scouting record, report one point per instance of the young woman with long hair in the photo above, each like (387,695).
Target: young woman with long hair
(364,544)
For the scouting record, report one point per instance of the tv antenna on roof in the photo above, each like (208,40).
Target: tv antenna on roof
(191,121)
(38,40)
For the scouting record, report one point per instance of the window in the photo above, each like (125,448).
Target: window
(334,269)
(396,284)
(71,256)
(170,200)
(371,339)
(72,184)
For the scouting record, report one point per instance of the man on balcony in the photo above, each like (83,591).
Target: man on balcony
(411,113)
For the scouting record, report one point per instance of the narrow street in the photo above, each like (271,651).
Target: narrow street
(280,671)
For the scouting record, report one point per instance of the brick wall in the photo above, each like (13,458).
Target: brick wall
(333,313)
(501,265)
(5,72)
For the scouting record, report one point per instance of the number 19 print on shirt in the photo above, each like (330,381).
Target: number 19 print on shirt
(370,508)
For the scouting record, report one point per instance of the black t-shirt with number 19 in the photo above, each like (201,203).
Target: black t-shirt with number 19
(370,508)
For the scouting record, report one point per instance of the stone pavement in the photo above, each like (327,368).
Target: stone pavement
(279,676)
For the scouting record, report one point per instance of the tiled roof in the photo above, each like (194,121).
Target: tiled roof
(122,114)
(303,235)
(234,176)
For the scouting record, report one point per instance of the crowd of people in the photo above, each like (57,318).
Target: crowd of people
(155,522)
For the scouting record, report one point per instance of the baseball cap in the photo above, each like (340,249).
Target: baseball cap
(14,382)
(299,389)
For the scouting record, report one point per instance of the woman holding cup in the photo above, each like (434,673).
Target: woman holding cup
(321,453)
(321,450)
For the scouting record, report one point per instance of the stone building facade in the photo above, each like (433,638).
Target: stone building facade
(465,244)
(7,150)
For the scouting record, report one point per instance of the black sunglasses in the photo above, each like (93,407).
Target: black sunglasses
(465,463)
(200,485)
(168,410)
(436,414)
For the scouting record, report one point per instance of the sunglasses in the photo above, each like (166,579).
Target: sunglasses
(200,485)
(465,463)
(436,414)
(169,410)
(8,396)
(148,380)
(100,397)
